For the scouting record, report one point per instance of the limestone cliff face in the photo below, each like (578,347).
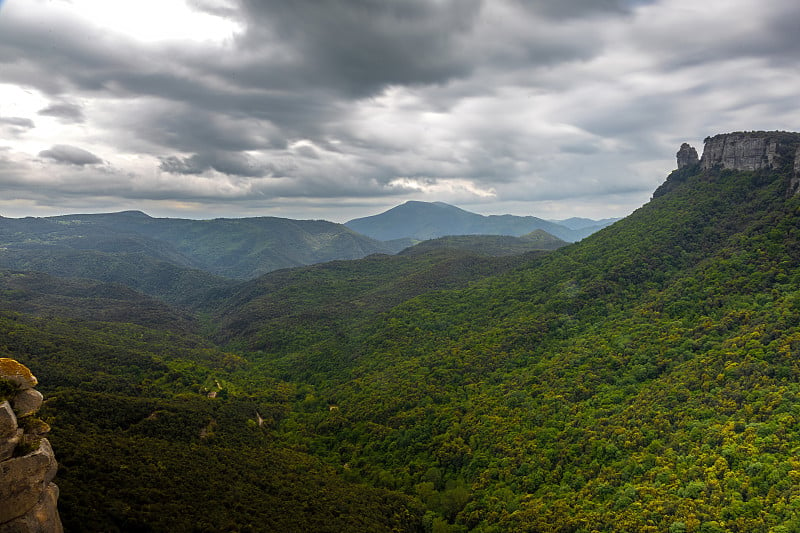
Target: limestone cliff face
(794,185)
(739,151)
(27,464)
(753,150)
(750,150)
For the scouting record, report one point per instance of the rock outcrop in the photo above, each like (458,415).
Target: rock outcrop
(777,151)
(687,156)
(28,495)
(794,184)
(754,150)
(739,151)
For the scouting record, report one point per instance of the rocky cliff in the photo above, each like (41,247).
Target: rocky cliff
(28,495)
(753,150)
(794,185)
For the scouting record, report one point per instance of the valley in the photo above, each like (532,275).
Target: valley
(643,378)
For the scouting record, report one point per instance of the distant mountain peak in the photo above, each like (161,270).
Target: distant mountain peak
(419,204)
(133,213)
(116,214)
(419,220)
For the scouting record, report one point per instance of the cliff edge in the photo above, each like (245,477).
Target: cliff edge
(28,495)
(754,150)
(777,151)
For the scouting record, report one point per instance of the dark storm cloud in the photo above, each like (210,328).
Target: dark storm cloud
(183,165)
(329,50)
(71,155)
(361,46)
(65,112)
(780,40)
(744,31)
(372,98)
(232,164)
(297,67)
(575,8)
(58,55)
(197,130)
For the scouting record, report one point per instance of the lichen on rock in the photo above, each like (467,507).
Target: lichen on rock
(17,374)
(27,462)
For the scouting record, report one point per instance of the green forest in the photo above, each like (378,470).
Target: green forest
(644,379)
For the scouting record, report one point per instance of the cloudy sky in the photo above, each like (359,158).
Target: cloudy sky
(341,108)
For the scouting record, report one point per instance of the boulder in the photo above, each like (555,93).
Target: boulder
(42,517)
(17,373)
(26,402)
(8,445)
(8,421)
(24,479)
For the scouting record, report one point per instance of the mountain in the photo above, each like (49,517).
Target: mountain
(642,379)
(578,223)
(44,295)
(491,245)
(177,285)
(233,248)
(425,220)
(292,309)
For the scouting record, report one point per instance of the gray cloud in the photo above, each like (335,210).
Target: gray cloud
(367,101)
(70,155)
(18,122)
(564,9)
(15,127)
(360,46)
(227,163)
(65,112)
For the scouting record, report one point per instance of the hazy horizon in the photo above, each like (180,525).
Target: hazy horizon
(108,212)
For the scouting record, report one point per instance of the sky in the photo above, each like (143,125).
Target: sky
(336,109)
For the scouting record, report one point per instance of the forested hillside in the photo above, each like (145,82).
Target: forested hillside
(151,436)
(643,379)
(493,245)
(295,308)
(233,248)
